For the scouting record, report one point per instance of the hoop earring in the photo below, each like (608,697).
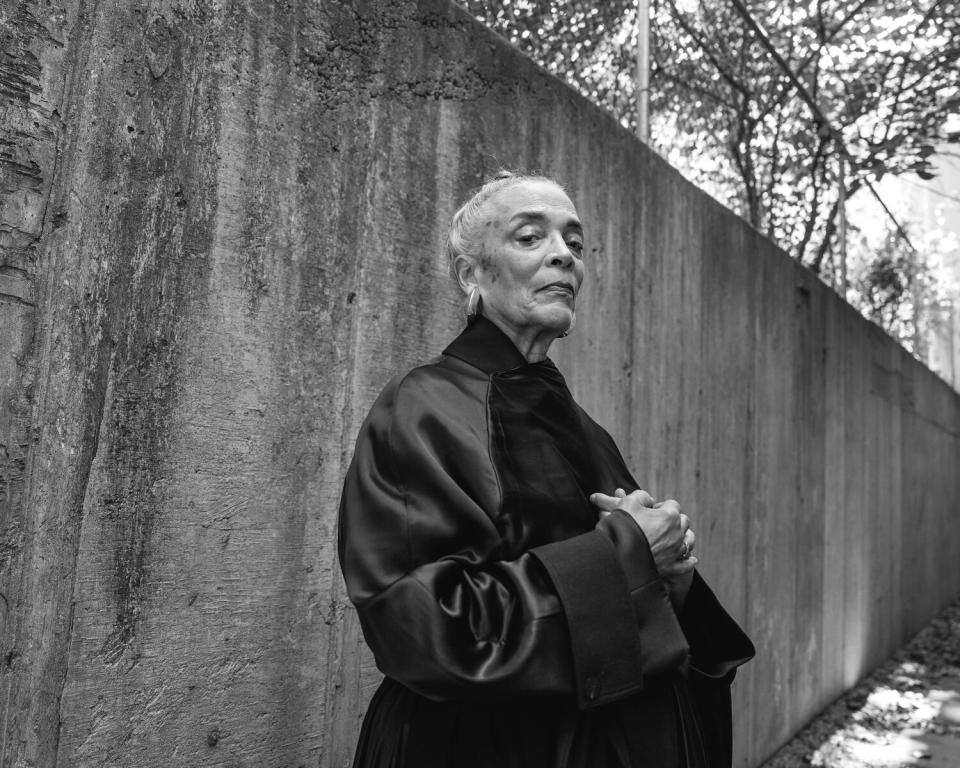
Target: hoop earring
(573,322)
(473,304)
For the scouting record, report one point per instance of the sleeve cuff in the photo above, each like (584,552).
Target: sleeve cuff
(663,646)
(590,582)
(717,644)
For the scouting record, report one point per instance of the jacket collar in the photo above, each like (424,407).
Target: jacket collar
(483,345)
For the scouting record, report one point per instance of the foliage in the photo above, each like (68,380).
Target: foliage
(898,287)
(884,75)
(885,287)
(581,42)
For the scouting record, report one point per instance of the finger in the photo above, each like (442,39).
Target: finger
(620,493)
(643,497)
(604,502)
(679,568)
(690,539)
(604,513)
(671,506)
(684,523)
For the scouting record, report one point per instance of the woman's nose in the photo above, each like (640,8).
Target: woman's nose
(561,256)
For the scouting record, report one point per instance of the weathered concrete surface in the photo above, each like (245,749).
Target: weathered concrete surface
(49,379)
(221,227)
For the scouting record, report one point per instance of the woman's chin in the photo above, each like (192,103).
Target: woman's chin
(556,320)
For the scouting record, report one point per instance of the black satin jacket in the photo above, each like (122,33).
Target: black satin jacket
(513,627)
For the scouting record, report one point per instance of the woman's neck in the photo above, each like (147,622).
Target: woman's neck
(533,342)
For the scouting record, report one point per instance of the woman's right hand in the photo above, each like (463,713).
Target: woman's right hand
(665,527)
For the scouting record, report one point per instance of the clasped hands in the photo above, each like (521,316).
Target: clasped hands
(667,531)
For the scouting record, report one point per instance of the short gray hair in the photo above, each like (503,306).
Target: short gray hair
(463,238)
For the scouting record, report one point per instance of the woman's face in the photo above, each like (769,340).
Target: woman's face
(530,266)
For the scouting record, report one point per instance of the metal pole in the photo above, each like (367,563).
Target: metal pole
(643,70)
(843,228)
(954,345)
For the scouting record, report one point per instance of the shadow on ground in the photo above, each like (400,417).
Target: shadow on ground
(907,713)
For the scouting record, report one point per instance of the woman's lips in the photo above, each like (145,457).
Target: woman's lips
(560,287)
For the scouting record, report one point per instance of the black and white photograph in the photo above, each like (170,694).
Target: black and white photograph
(479,384)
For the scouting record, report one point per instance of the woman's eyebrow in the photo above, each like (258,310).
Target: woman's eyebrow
(538,215)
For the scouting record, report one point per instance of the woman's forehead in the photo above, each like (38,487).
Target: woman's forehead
(533,196)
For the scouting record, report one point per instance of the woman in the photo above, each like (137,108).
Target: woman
(525,609)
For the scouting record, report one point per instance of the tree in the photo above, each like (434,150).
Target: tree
(883,74)
(758,103)
(898,286)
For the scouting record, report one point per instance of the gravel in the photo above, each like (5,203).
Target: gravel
(906,713)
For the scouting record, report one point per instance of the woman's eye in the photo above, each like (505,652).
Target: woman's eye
(575,245)
(528,239)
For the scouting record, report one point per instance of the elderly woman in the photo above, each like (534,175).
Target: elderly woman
(527,603)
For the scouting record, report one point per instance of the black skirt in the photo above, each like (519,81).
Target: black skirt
(405,730)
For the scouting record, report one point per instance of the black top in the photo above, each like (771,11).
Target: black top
(514,627)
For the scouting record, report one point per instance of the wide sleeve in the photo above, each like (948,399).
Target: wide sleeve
(444,612)
(717,643)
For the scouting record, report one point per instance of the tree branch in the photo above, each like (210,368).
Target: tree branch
(823,125)
(811,221)
(701,43)
(693,88)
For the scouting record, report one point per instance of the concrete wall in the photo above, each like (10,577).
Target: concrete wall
(221,228)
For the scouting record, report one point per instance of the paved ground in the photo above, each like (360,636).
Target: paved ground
(907,713)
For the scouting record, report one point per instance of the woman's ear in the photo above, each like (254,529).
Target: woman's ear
(465,269)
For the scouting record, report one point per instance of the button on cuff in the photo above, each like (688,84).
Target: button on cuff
(591,688)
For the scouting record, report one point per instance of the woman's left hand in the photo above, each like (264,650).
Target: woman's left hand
(672,553)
